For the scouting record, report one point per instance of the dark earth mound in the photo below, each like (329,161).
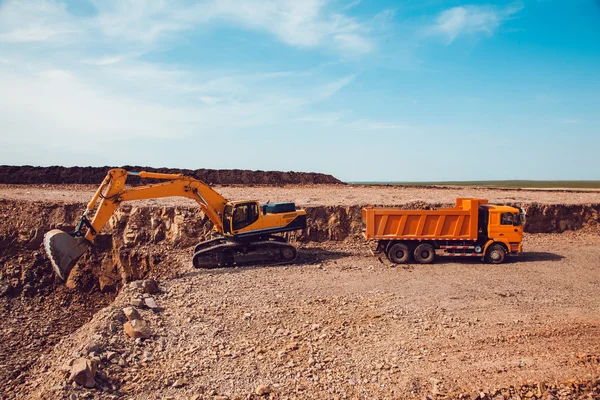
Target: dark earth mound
(94,175)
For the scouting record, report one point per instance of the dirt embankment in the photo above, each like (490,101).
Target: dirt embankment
(94,175)
(137,240)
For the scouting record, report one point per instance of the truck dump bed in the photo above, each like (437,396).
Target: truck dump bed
(457,223)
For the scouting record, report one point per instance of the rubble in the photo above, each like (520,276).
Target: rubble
(150,286)
(262,390)
(138,302)
(131,313)
(83,372)
(137,329)
(150,303)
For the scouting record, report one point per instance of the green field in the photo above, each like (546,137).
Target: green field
(499,184)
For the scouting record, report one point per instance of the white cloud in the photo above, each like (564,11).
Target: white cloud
(332,88)
(133,100)
(70,80)
(470,20)
(35,21)
(570,121)
(306,23)
(107,60)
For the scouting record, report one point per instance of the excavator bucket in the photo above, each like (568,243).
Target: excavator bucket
(64,250)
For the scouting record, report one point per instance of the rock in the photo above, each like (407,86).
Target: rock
(150,303)
(94,345)
(262,390)
(131,313)
(150,286)
(136,285)
(137,329)
(291,346)
(179,383)
(83,372)
(137,302)
(4,289)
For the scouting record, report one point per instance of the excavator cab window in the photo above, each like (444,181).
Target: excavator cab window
(227,214)
(244,215)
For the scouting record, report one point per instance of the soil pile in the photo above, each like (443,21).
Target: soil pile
(94,175)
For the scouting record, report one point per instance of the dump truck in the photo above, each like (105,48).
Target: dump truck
(472,228)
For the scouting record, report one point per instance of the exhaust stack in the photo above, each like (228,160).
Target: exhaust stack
(64,250)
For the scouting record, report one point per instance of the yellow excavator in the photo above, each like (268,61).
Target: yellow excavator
(246,231)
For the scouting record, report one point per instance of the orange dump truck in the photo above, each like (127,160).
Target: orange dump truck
(472,228)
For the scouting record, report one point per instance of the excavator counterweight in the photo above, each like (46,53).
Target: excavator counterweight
(246,231)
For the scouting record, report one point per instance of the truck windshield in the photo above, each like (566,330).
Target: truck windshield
(517,220)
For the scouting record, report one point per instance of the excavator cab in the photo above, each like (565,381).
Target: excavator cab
(249,218)
(238,216)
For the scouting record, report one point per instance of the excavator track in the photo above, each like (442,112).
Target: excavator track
(225,252)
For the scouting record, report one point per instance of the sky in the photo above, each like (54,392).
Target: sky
(427,90)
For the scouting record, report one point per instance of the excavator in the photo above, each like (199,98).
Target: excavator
(246,232)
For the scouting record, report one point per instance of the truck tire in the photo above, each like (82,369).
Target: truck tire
(495,254)
(424,253)
(399,253)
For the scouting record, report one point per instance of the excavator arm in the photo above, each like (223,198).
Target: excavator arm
(64,249)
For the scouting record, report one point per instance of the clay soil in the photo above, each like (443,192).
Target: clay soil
(339,323)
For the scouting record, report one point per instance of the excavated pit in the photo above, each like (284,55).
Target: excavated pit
(137,241)
(141,241)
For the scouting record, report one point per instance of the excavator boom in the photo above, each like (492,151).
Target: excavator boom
(64,249)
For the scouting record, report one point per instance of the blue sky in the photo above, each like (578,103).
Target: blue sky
(364,90)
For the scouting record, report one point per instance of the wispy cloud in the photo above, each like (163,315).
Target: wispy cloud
(305,24)
(471,20)
(95,76)
(35,21)
(331,88)
(570,121)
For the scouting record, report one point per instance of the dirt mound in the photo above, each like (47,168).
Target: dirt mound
(94,175)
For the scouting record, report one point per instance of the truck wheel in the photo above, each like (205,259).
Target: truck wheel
(495,254)
(424,253)
(399,253)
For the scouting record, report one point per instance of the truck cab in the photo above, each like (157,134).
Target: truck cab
(504,225)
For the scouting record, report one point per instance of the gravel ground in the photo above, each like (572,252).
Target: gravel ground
(343,324)
(340,323)
(328,195)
